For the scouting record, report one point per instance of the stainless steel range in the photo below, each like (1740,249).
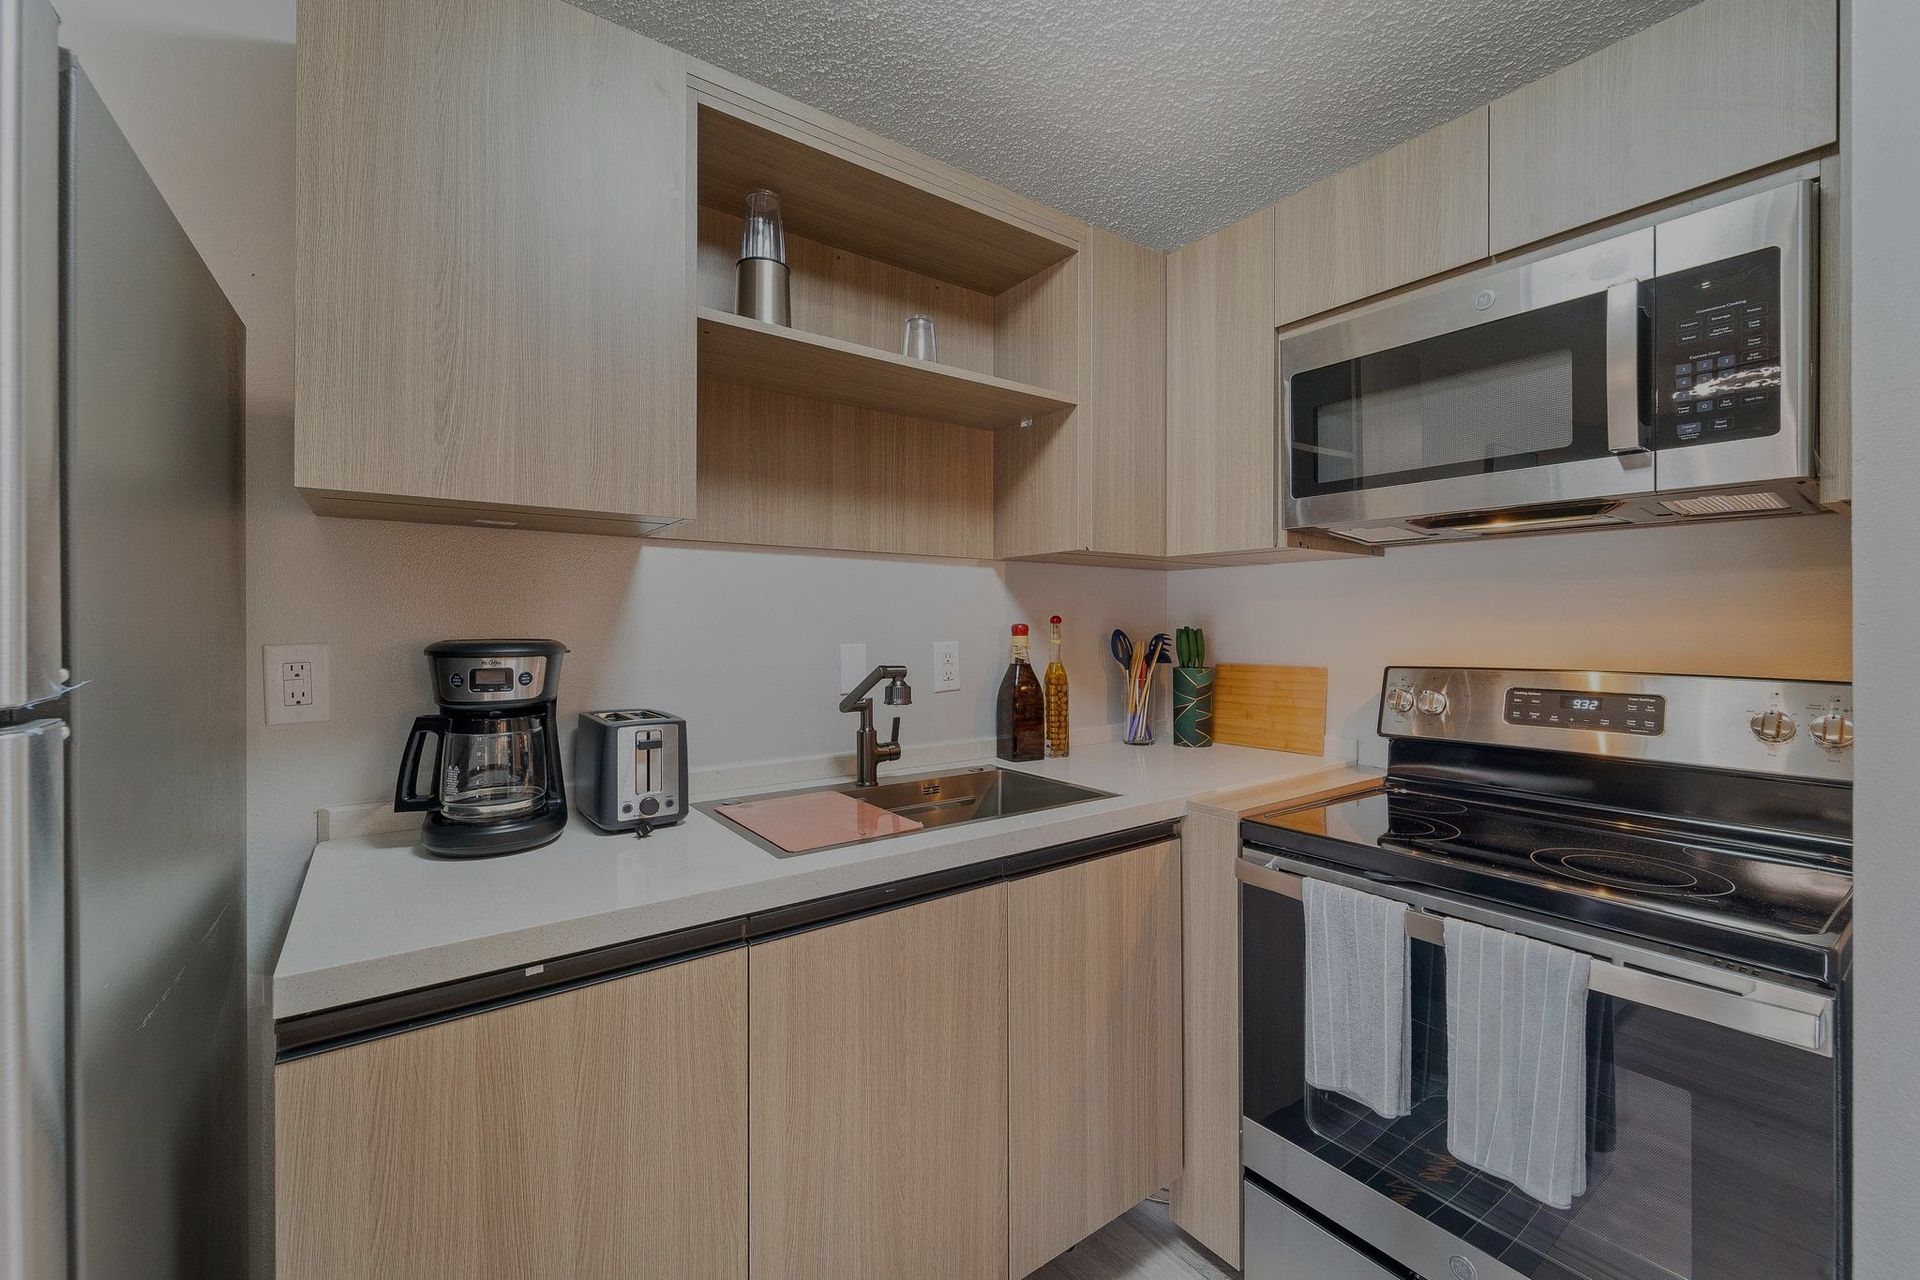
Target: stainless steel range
(1691,836)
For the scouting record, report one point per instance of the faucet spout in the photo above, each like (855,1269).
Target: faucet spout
(869,751)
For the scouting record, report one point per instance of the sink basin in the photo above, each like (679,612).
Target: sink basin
(931,799)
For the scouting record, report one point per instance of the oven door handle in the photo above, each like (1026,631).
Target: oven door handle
(1627,373)
(1782,1014)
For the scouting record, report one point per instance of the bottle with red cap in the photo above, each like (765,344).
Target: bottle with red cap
(1020,713)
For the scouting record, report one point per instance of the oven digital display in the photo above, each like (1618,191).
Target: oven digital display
(1641,713)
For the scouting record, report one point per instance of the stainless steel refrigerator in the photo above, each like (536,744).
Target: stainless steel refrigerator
(122,739)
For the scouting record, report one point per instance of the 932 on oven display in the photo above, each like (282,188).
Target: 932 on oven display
(1642,713)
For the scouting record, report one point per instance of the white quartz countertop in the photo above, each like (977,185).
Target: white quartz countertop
(377,916)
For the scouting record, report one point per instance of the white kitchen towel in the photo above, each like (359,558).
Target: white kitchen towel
(1357,989)
(1517,1060)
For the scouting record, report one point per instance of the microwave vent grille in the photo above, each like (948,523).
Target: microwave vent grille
(1727,504)
(1382,535)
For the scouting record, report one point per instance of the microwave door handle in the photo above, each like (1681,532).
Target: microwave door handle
(1626,369)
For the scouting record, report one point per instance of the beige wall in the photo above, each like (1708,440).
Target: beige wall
(1883,104)
(1766,598)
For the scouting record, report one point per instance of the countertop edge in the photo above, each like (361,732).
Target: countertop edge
(317,990)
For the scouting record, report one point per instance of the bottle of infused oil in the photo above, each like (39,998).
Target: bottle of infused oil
(1019,714)
(1056,684)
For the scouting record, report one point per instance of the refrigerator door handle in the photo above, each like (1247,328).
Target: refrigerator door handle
(32,646)
(33,1000)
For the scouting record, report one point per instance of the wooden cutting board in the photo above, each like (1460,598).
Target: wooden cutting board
(1279,708)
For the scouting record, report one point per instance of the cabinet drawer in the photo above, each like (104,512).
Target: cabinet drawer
(1283,1244)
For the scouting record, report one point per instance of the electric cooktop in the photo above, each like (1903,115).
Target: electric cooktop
(1765,900)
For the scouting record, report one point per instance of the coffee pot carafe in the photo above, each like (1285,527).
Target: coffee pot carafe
(495,785)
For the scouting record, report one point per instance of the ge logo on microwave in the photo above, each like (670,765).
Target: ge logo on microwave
(1484,299)
(1461,1268)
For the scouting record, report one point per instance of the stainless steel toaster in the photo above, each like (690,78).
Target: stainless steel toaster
(630,768)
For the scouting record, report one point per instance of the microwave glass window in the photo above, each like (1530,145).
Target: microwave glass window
(1517,408)
(1523,391)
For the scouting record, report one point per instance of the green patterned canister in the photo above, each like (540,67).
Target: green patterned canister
(1193,706)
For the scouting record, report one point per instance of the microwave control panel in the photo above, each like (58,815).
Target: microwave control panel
(1716,351)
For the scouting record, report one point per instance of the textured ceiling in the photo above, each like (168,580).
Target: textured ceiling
(1159,119)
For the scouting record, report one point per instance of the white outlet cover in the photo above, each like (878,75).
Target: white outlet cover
(946,666)
(296,683)
(853,666)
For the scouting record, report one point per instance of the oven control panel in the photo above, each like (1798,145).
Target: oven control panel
(1795,728)
(1716,351)
(1644,713)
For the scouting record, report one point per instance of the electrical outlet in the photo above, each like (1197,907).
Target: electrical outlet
(295,683)
(946,666)
(853,666)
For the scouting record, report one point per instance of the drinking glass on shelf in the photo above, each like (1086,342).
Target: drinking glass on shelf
(918,343)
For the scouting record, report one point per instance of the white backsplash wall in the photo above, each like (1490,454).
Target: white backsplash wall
(1768,597)
(745,644)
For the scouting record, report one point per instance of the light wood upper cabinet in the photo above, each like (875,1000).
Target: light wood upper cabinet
(597,1132)
(494,294)
(1220,392)
(1092,480)
(1094,983)
(879,1085)
(1418,210)
(1720,89)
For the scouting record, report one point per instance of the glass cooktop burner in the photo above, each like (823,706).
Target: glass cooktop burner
(1631,871)
(1405,826)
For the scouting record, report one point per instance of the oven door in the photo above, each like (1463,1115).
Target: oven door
(1712,1117)
(1511,388)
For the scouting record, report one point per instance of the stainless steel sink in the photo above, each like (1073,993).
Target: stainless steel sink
(933,800)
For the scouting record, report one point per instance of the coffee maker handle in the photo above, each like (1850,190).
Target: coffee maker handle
(405,798)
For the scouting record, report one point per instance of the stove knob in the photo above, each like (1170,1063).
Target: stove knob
(1400,700)
(1431,702)
(1773,726)
(1834,729)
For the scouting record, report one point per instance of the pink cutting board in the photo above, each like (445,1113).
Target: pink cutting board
(802,823)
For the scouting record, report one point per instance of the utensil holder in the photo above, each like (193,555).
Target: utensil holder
(1193,706)
(1139,732)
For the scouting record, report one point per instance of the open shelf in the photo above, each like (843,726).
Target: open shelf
(828,197)
(775,358)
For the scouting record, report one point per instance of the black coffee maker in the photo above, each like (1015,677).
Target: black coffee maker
(496,785)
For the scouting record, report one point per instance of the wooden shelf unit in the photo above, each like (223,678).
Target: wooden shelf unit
(882,452)
(778,358)
(829,194)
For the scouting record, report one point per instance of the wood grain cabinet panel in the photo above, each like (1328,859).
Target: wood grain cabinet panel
(601,1132)
(879,1087)
(494,275)
(1092,480)
(1415,211)
(1220,392)
(1094,1045)
(1720,89)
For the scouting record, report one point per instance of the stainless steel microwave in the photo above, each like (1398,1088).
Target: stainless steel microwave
(1660,375)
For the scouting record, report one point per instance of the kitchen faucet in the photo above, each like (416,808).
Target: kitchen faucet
(869,751)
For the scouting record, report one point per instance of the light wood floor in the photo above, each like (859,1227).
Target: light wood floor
(1142,1244)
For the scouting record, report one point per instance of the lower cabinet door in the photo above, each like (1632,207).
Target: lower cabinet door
(1095,1055)
(879,1083)
(599,1132)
